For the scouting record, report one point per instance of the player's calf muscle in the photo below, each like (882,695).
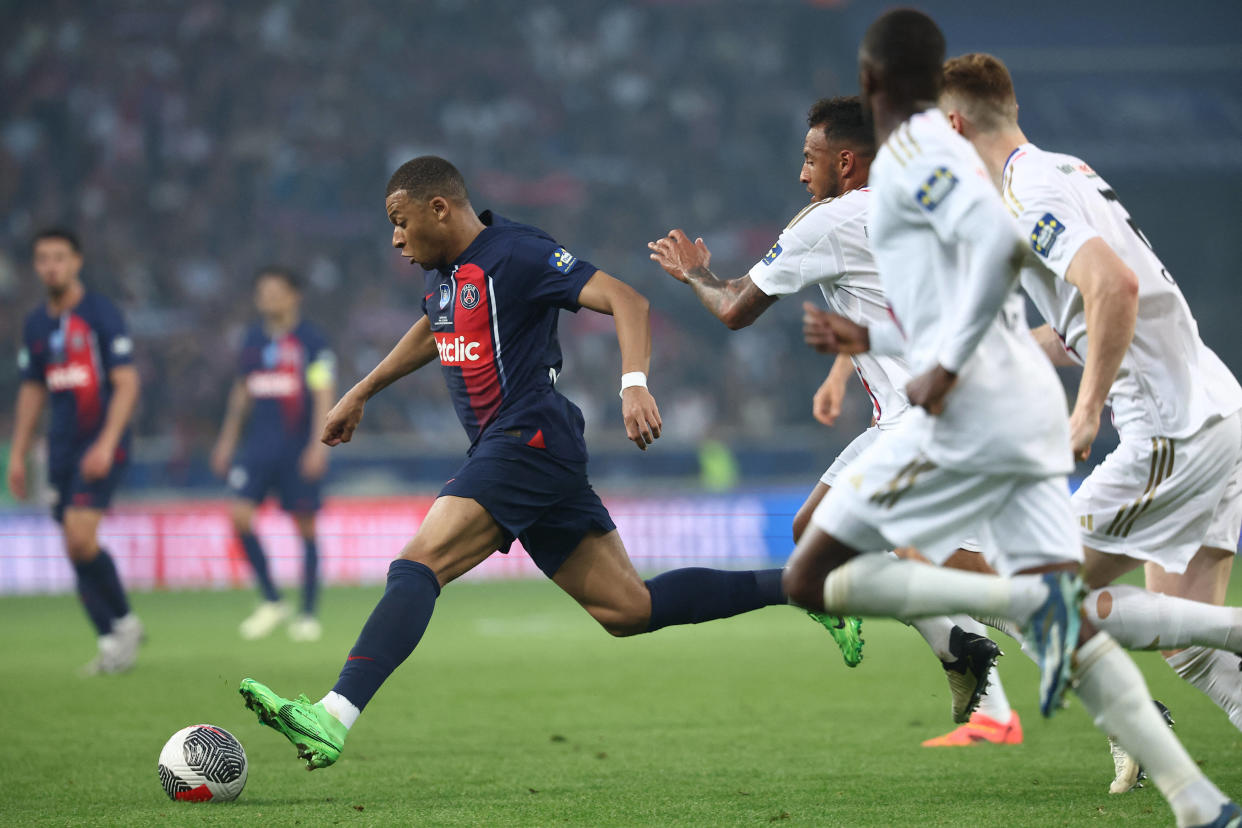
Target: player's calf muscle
(457,535)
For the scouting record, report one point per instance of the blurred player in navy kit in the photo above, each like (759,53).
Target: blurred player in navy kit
(76,351)
(282,393)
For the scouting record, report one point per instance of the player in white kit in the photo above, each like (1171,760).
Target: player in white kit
(990,447)
(1170,496)
(826,245)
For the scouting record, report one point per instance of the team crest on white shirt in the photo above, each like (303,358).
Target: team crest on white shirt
(1044,236)
(934,189)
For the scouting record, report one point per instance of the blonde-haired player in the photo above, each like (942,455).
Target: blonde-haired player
(1170,496)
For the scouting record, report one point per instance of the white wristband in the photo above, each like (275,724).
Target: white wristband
(632,380)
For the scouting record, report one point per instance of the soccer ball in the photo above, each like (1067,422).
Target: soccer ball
(203,763)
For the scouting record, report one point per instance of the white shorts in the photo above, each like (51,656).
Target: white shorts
(893,496)
(848,454)
(1159,499)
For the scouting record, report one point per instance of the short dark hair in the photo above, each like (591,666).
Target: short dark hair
(428,176)
(842,121)
(981,85)
(63,233)
(285,274)
(907,48)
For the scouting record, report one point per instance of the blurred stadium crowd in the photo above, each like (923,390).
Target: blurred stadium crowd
(191,143)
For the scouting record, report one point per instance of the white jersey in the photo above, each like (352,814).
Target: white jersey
(826,244)
(1006,413)
(1170,384)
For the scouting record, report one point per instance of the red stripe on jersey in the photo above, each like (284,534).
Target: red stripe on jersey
(291,360)
(469,346)
(867,387)
(82,359)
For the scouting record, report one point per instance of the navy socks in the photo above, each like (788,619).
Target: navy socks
(258,562)
(310,576)
(694,595)
(92,597)
(110,584)
(391,633)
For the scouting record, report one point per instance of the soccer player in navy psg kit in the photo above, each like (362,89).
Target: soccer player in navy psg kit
(494,290)
(75,351)
(283,391)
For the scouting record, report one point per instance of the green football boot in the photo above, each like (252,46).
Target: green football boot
(847,632)
(317,734)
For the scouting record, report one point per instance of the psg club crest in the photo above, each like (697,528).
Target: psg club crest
(445,296)
(469,296)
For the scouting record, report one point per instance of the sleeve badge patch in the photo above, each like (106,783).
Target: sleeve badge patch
(772,254)
(936,188)
(1044,236)
(23,359)
(562,260)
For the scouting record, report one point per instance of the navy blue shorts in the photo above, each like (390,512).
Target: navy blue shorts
(72,490)
(253,477)
(546,503)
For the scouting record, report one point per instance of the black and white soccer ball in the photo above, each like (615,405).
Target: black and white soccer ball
(203,763)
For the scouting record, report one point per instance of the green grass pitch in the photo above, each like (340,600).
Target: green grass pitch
(519,710)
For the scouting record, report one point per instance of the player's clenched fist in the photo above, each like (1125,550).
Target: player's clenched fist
(678,255)
(642,417)
(832,333)
(343,419)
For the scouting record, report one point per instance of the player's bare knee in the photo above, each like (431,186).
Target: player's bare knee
(802,586)
(622,623)
(80,544)
(242,515)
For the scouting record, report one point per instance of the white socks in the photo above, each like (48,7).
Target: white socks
(1114,693)
(878,585)
(1216,673)
(1142,620)
(341,708)
(936,631)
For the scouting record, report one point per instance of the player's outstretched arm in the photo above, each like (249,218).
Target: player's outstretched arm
(97,462)
(30,398)
(735,302)
(1110,302)
(235,414)
(413,351)
(631,314)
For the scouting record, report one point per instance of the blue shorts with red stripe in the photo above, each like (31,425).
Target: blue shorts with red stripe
(73,491)
(546,503)
(254,476)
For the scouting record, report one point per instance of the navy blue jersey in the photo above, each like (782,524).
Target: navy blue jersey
(493,313)
(280,372)
(72,355)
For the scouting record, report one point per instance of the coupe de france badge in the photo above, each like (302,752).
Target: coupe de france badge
(936,188)
(446,296)
(469,296)
(562,260)
(1044,236)
(772,254)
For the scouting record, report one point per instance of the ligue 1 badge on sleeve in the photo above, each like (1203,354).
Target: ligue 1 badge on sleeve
(562,260)
(446,296)
(469,296)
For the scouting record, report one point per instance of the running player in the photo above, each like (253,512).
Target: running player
(76,351)
(826,244)
(1170,496)
(494,290)
(989,447)
(284,389)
